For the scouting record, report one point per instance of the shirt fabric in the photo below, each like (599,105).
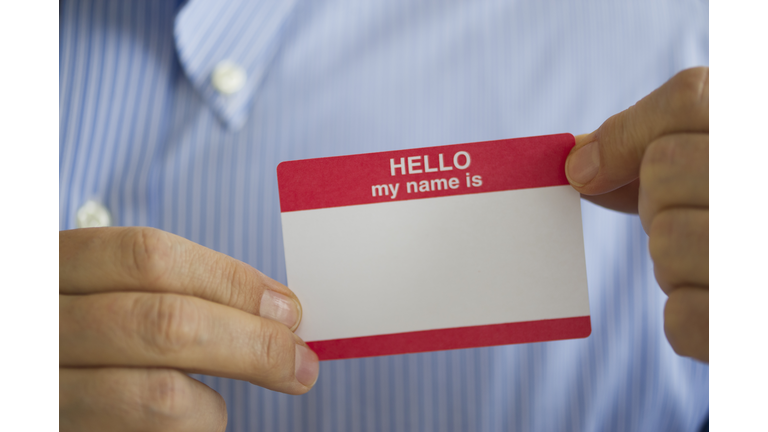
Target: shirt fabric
(143,132)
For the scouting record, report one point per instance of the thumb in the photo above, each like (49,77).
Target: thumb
(610,157)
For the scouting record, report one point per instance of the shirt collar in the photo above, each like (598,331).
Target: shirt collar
(245,33)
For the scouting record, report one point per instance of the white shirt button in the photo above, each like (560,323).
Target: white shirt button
(93,214)
(228,78)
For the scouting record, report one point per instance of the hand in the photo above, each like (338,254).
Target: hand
(139,308)
(653,159)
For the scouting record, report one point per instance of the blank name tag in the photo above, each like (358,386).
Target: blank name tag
(435,248)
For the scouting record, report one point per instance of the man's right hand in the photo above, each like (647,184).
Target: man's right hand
(139,308)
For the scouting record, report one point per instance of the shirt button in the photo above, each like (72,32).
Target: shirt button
(93,214)
(228,78)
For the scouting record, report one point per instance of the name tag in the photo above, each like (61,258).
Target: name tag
(435,248)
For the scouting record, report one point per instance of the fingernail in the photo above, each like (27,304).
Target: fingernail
(584,164)
(307,366)
(280,308)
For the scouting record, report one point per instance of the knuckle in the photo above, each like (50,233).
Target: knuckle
(169,322)
(679,246)
(662,151)
(148,255)
(680,151)
(165,397)
(275,352)
(690,90)
(659,236)
(661,246)
(673,324)
(672,175)
(654,171)
(676,162)
(686,322)
(238,286)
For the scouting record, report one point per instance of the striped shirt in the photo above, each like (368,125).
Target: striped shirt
(145,133)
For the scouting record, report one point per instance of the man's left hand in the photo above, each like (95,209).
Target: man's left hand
(653,159)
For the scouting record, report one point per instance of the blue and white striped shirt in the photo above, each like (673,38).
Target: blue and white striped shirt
(143,132)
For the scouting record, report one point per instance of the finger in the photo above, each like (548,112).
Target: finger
(674,173)
(686,322)
(623,199)
(182,332)
(113,399)
(610,157)
(679,246)
(95,260)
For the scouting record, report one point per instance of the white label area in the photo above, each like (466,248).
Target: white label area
(456,261)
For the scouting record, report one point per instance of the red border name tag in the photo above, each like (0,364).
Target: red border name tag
(435,248)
